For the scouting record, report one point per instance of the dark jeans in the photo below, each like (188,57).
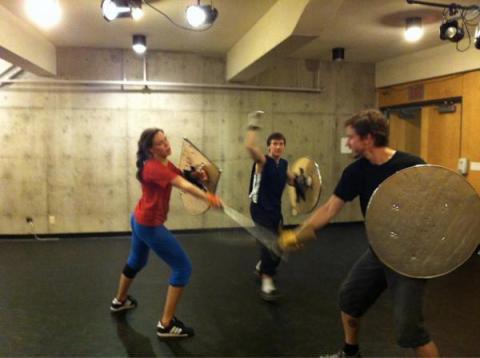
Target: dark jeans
(367,279)
(271,220)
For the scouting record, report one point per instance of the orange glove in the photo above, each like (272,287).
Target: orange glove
(214,201)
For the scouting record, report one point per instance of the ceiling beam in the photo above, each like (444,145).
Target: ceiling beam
(4,67)
(255,50)
(22,45)
(286,27)
(318,16)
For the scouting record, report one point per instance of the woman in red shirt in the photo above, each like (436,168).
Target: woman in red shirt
(157,175)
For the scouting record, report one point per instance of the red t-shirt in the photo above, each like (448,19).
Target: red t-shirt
(152,208)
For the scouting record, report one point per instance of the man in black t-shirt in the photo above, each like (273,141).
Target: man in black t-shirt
(367,134)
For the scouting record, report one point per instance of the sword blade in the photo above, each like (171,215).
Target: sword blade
(261,234)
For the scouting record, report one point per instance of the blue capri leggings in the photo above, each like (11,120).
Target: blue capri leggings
(164,244)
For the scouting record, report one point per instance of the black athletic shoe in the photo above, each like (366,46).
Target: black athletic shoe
(270,296)
(257,272)
(176,329)
(128,304)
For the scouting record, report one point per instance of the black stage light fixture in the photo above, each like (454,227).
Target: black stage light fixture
(450,30)
(136,9)
(200,15)
(477,37)
(338,54)
(114,9)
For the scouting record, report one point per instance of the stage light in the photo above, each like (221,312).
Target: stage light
(200,15)
(477,37)
(113,9)
(457,23)
(450,30)
(137,13)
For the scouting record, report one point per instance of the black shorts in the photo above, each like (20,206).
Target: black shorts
(271,220)
(367,279)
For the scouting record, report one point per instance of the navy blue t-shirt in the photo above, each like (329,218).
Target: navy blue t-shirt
(362,177)
(272,183)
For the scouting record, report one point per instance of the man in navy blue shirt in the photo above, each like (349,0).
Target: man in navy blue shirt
(367,134)
(268,179)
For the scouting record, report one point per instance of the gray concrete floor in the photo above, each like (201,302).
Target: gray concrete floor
(55,300)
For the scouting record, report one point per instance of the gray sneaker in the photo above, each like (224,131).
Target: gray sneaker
(176,329)
(128,304)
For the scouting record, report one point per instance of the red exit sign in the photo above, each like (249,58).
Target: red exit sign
(415,93)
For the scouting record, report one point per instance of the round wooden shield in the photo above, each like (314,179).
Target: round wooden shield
(313,188)
(192,157)
(424,221)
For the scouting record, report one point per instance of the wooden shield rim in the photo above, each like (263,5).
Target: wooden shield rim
(213,189)
(291,190)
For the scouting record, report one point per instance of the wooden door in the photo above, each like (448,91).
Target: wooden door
(429,133)
(405,131)
(441,136)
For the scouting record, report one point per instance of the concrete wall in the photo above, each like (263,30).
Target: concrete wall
(70,153)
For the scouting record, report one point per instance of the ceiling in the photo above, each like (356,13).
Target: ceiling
(370,30)
(83,25)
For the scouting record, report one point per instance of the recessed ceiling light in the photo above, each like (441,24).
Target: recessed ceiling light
(413,29)
(46,13)
(139,44)
(338,54)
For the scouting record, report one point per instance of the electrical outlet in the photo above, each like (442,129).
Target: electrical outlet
(463,166)
(51,219)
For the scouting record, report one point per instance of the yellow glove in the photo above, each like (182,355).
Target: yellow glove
(288,240)
(294,239)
